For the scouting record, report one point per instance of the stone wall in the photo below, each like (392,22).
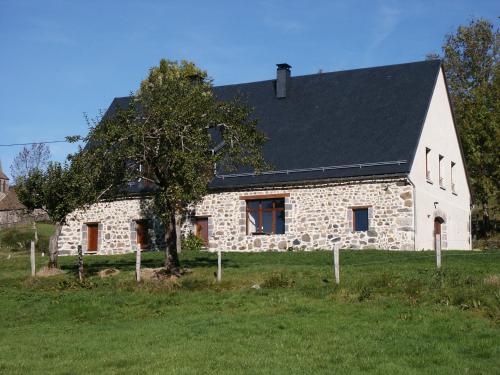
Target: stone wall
(316,217)
(116,222)
(10,218)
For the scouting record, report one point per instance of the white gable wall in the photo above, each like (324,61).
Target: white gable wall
(439,136)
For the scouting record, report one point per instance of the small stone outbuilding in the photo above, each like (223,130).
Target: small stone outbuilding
(13,212)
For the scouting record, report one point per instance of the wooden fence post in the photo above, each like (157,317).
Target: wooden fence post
(219,266)
(138,264)
(32,258)
(438,251)
(336,265)
(80,263)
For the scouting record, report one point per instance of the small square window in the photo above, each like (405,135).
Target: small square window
(360,219)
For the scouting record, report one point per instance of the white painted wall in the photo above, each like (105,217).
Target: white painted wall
(439,135)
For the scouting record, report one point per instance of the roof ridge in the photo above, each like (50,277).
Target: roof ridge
(320,74)
(336,71)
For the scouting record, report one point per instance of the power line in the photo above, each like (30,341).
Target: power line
(32,143)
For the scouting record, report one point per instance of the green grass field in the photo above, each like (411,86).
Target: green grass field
(392,314)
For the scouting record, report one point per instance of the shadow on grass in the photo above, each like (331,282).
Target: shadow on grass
(95,264)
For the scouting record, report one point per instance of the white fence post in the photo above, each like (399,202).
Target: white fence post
(80,263)
(219,266)
(32,258)
(438,251)
(336,265)
(138,264)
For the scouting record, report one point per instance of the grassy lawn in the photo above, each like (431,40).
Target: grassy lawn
(392,314)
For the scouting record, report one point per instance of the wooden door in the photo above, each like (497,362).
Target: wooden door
(92,236)
(437,233)
(202,229)
(142,234)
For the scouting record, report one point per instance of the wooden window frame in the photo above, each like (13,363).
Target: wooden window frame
(260,210)
(357,208)
(263,196)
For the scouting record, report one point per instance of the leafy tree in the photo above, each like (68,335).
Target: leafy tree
(28,159)
(470,58)
(167,137)
(52,190)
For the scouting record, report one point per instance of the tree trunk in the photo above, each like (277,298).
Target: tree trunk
(171,257)
(53,249)
(486,219)
(178,219)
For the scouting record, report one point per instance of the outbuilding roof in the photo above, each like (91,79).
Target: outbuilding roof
(10,201)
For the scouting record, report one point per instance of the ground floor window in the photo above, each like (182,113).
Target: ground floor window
(265,216)
(360,219)
(92,237)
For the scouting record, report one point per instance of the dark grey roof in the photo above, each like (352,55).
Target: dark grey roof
(342,118)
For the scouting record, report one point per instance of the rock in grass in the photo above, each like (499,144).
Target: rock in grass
(107,272)
(47,272)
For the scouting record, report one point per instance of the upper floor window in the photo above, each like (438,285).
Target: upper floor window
(265,216)
(360,219)
(427,170)
(441,178)
(452,170)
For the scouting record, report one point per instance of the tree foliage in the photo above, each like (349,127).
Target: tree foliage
(51,190)
(56,190)
(470,58)
(166,137)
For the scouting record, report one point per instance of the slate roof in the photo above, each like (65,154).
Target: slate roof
(362,116)
(3,176)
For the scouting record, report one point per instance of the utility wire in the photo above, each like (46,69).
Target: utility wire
(32,143)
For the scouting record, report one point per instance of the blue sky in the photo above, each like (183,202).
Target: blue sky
(62,58)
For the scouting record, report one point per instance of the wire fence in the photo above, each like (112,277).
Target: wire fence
(399,259)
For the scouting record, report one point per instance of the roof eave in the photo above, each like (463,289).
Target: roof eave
(311,182)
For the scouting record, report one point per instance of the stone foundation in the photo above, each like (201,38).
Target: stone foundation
(316,217)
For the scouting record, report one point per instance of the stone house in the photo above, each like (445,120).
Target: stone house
(366,158)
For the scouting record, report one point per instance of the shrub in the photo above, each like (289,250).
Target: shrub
(192,243)
(364,293)
(278,280)
(16,239)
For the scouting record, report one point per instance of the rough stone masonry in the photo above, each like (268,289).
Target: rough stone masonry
(316,217)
